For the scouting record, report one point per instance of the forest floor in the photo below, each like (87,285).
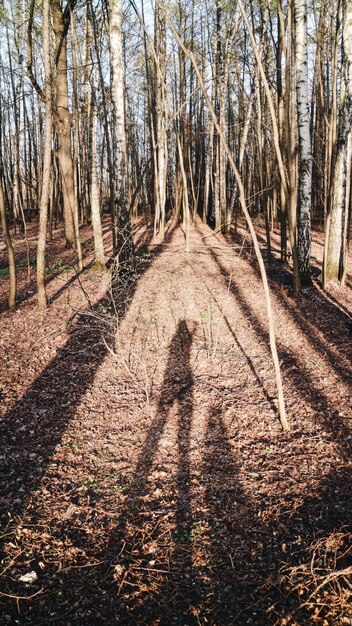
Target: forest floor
(146,478)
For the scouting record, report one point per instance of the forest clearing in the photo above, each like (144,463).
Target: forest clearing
(175,312)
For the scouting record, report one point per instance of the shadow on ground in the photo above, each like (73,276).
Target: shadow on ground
(316,313)
(31,430)
(191,546)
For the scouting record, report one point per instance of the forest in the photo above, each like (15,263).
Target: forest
(175,312)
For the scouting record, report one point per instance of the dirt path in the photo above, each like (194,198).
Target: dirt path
(147,480)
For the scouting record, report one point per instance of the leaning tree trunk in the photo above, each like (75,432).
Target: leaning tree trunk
(189,54)
(276,143)
(305,154)
(125,239)
(336,232)
(44,199)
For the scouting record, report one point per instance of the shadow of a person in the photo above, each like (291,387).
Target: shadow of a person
(156,520)
(229,546)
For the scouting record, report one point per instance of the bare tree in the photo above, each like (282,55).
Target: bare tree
(305,154)
(336,232)
(125,240)
(43,213)
(63,121)
(10,253)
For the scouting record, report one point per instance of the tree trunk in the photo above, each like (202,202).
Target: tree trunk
(91,15)
(160,175)
(336,235)
(281,127)
(94,195)
(43,213)
(64,121)
(305,154)
(8,243)
(276,142)
(282,410)
(125,251)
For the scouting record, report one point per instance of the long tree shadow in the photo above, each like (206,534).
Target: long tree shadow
(323,320)
(231,546)
(293,368)
(260,573)
(30,289)
(239,345)
(324,512)
(34,426)
(236,586)
(264,586)
(55,270)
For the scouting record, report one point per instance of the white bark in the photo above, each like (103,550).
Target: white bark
(95,197)
(245,132)
(125,239)
(161,121)
(118,97)
(336,248)
(276,142)
(305,153)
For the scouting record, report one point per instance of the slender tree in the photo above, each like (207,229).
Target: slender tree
(305,154)
(9,248)
(125,240)
(95,203)
(160,124)
(335,254)
(43,213)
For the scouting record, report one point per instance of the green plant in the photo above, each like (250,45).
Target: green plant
(185,535)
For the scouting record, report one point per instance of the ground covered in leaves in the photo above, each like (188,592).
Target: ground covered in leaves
(145,476)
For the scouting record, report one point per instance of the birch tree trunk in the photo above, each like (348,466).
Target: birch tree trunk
(336,234)
(218,171)
(94,195)
(17,188)
(160,176)
(44,199)
(304,142)
(124,239)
